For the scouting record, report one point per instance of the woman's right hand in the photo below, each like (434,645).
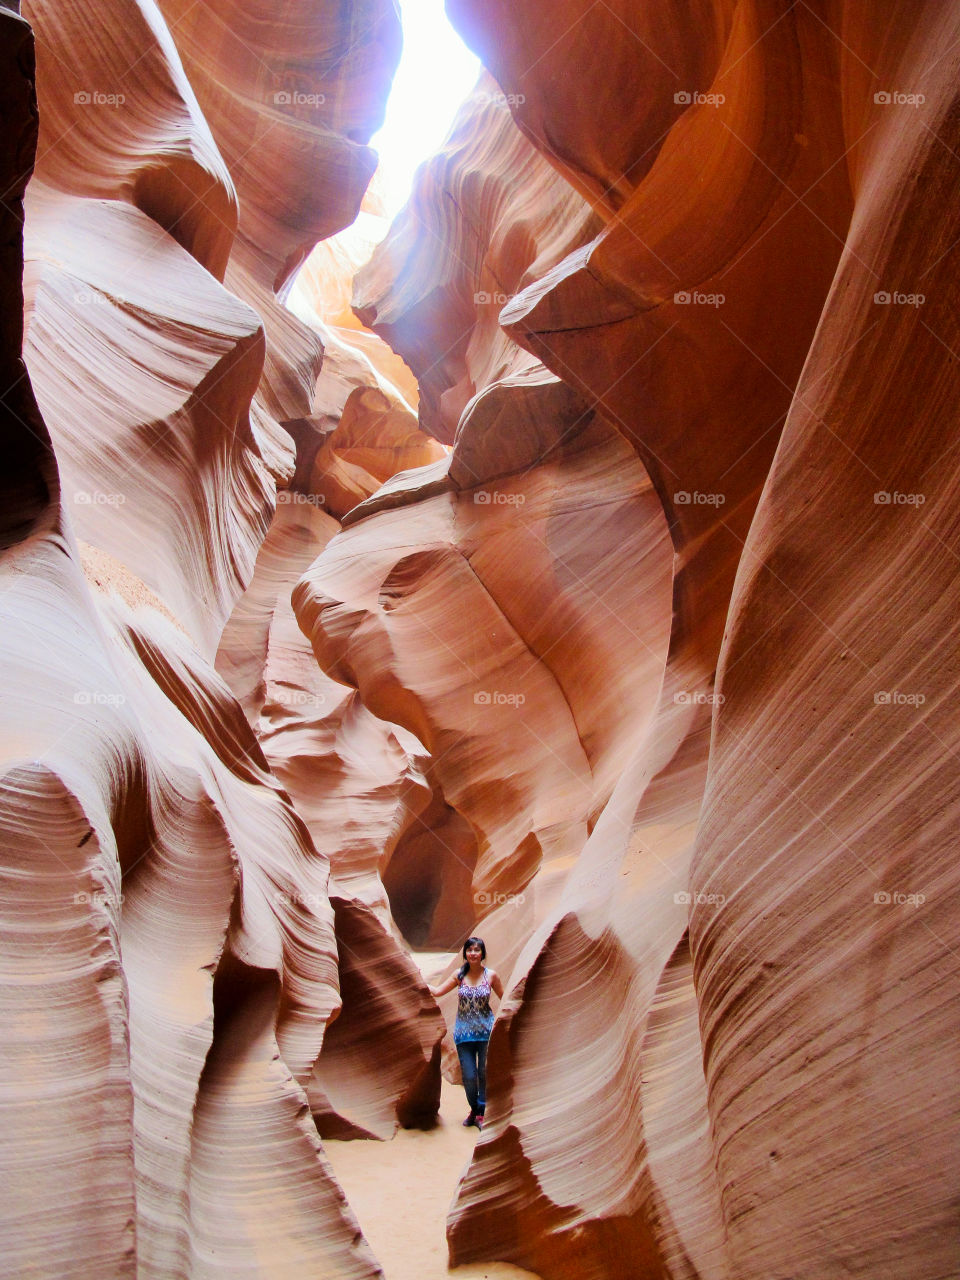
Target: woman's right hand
(443,988)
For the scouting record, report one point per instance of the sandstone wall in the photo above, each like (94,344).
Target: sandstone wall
(740,303)
(168,950)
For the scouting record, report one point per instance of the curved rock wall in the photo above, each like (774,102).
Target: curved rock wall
(357,783)
(734,224)
(828,982)
(168,954)
(509,605)
(758,231)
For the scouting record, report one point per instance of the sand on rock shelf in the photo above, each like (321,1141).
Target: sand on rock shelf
(580,570)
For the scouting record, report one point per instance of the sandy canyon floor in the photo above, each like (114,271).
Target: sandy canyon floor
(401,1192)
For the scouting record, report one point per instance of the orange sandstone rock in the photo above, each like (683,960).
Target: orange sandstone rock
(494,637)
(744,244)
(167,947)
(356,781)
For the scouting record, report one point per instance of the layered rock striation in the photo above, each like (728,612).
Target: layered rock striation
(746,318)
(745,259)
(168,952)
(523,535)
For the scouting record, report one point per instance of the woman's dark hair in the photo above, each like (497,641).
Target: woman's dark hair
(471,942)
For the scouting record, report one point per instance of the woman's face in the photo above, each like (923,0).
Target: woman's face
(474,954)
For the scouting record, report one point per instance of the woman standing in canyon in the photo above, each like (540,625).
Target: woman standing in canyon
(471,1032)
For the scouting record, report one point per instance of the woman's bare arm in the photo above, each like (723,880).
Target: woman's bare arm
(495,984)
(444,987)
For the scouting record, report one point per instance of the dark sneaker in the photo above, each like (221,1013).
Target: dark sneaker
(471,1119)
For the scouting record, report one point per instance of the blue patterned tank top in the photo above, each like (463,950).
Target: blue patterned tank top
(474,1015)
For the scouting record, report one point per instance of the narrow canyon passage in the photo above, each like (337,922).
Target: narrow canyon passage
(542,532)
(402,1191)
(401,1194)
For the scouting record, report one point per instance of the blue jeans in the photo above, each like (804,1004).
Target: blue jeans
(473,1068)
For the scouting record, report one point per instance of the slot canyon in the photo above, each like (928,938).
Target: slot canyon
(574,564)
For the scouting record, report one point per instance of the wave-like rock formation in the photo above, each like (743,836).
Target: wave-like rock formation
(357,783)
(166,397)
(487,214)
(768,284)
(741,305)
(292,96)
(322,294)
(168,952)
(510,604)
